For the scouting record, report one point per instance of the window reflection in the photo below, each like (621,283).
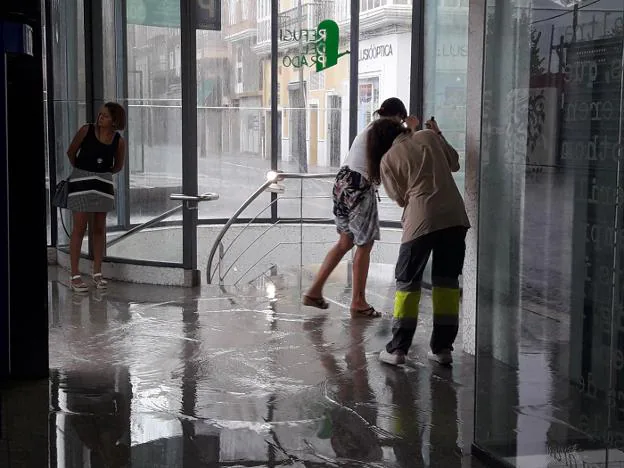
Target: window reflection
(446,64)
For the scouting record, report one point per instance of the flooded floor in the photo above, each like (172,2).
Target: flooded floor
(145,376)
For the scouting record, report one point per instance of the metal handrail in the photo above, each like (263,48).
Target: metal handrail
(186,199)
(145,225)
(275,247)
(249,247)
(272,178)
(222,254)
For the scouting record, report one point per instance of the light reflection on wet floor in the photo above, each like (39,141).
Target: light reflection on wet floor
(152,376)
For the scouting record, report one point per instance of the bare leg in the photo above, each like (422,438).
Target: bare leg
(361,262)
(75,244)
(332,259)
(99,239)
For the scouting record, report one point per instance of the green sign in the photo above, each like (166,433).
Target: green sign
(327,45)
(166,13)
(319,47)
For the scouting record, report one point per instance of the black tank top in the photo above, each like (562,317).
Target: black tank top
(95,156)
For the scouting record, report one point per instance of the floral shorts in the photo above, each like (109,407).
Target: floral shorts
(355,207)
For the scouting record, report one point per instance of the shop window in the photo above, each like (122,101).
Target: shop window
(368,101)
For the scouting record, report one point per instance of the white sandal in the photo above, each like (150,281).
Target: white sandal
(78,286)
(100,282)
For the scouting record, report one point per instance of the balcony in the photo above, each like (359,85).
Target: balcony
(380,14)
(241,22)
(240,31)
(307,16)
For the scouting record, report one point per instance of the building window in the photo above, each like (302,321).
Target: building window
(264,9)
(239,70)
(317,81)
(175,61)
(261,75)
(370,4)
(233,11)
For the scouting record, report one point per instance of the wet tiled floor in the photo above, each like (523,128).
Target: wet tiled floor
(161,377)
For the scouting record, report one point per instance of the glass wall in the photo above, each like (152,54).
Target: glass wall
(384,68)
(112,76)
(313,103)
(142,67)
(550,306)
(69,91)
(445,67)
(233,113)
(154,130)
(45,120)
(155,113)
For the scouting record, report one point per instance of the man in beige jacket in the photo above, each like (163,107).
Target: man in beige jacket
(416,171)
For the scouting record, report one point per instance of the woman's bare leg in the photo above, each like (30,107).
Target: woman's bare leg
(361,262)
(332,259)
(75,244)
(99,240)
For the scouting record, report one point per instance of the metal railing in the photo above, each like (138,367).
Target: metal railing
(270,185)
(190,200)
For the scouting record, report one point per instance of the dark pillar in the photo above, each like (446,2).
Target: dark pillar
(188,22)
(417,84)
(354,70)
(23,254)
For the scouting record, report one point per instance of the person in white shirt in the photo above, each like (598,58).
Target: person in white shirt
(356,217)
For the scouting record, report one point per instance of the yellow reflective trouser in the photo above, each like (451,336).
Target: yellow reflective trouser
(445,305)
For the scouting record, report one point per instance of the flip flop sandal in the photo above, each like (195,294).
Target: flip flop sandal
(317,302)
(77,285)
(368,313)
(99,281)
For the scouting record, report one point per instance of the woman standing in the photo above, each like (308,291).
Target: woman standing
(356,217)
(96,153)
(416,171)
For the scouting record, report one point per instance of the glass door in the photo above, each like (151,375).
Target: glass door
(141,69)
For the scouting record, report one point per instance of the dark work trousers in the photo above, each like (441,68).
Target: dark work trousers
(449,248)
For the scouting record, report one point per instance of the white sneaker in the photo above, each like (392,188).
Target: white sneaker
(443,357)
(396,358)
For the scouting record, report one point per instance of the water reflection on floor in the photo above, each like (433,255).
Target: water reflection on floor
(151,376)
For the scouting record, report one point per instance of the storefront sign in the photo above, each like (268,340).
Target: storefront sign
(374,52)
(452,50)
(318,47)
(166,13)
